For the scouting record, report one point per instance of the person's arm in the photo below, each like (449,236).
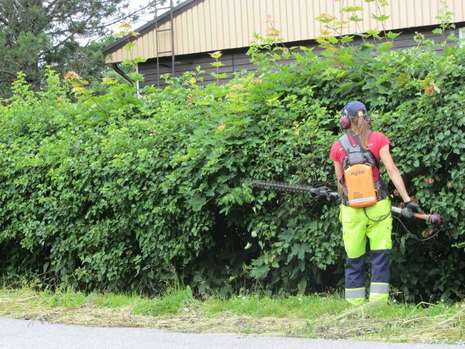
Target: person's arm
(393,172)
(339,174)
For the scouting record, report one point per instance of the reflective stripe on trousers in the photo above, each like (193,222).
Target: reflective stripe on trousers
(355,295)
(379,292)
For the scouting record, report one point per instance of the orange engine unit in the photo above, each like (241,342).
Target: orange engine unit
(360,186)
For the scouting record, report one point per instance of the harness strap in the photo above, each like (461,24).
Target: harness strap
(357,148)
(380,186)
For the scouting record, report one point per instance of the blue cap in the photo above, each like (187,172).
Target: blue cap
(352,109)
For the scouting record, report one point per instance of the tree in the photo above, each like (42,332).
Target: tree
(35,33)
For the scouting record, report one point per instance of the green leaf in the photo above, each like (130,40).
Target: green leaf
(352,9)
(261,272)
(197,202)
(381,18)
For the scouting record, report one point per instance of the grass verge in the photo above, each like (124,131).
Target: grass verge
(301,316)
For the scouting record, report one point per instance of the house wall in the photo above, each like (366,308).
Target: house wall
(210,25)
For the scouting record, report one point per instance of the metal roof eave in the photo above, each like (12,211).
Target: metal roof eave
(146,27)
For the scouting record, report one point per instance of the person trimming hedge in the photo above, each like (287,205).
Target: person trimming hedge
(365,212)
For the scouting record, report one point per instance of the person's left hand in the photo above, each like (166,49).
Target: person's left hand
(406,212)
(413,206)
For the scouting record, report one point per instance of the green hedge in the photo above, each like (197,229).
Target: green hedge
(113,192)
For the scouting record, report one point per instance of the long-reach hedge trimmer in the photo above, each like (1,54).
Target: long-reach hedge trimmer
(326,193)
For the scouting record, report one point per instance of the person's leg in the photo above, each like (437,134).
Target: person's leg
(379,235)
(380,275)
(355,271)
(354,225)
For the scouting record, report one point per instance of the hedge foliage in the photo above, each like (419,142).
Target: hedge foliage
(113,192)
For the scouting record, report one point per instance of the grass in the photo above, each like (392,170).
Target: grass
(308,307)
(302,316)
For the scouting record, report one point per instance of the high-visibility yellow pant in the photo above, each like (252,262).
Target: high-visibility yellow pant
(359,226)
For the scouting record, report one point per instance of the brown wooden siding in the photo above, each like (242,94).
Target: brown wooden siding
(237,60)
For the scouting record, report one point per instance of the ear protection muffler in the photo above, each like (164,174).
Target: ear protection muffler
(344,121)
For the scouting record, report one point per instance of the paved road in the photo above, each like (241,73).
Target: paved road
(19,334)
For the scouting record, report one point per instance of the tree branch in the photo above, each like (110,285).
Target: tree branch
(132,14)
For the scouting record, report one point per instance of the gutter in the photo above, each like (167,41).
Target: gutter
(121,72)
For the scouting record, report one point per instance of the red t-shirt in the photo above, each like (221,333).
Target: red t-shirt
(376,140)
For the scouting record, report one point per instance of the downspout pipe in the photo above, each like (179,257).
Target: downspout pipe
(121,72)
